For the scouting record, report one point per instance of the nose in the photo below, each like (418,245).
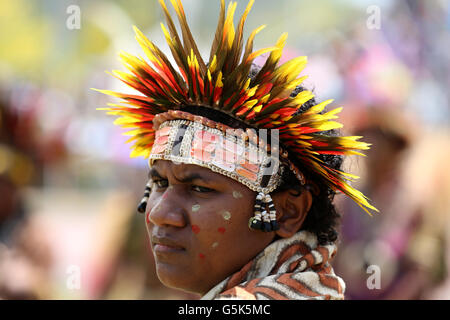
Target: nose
(166,210)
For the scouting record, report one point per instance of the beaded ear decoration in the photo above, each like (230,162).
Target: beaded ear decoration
(143,204)
(264,102)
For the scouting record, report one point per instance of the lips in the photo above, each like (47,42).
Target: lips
(166,244)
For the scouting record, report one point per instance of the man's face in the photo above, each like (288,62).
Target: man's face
(198,224)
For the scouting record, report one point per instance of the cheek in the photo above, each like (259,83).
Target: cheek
(217,225)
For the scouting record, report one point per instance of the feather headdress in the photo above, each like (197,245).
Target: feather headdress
(264,102)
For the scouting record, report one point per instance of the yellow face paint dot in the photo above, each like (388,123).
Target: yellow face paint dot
(215,244)
(226,215)
(237,194)
(195,207)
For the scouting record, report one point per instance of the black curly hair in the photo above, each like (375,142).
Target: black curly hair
(322,218)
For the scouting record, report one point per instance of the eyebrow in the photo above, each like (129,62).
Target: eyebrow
(153,173)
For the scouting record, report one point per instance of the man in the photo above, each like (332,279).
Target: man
(244,167)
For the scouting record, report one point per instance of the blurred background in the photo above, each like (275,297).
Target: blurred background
(68,190)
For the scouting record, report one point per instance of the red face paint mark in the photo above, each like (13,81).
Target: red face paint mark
(221,230)
(201,256)
(147,218)
(195,228)
(164,196)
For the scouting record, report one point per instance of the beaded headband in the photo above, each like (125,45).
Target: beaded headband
(193,143)
(263,102)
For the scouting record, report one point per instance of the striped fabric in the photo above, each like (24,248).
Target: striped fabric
(296,268)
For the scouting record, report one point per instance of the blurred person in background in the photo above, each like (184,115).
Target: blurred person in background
(16,170)
(389,133)
(24,256)
(405,176)
(425,201)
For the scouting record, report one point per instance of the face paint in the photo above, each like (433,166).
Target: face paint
(215,244)
(226,215)
(201,256)
(221,230)
(195,228)
(237,194)
(195,207)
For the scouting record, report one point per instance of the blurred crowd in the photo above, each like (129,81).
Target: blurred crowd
(68,191)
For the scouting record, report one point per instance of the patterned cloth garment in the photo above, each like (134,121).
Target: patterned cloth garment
(296,268)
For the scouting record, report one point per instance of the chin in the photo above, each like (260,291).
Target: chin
(178,279)
(172,276)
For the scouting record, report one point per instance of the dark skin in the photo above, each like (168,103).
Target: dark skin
(198,222)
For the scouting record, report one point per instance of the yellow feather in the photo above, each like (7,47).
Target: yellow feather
(250,103)
(352,152)
(145,44)
(137,152)
(329,125)
(213,64)
(291,69)
(276,54)
(302,97)
(246,84)
(303,143)
(253,55)
(349,175)
(294,83)
(265,98)
(219,82)
(318,108)
(282,40)
(257,108)
(133,132)
(125,120)
(131,139)
(251,92)
(109,92)
(166,33)
(332,113)
(249,45)
(123,75)
(228,29)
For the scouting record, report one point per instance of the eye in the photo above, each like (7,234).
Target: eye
(202,189)
(161,183)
